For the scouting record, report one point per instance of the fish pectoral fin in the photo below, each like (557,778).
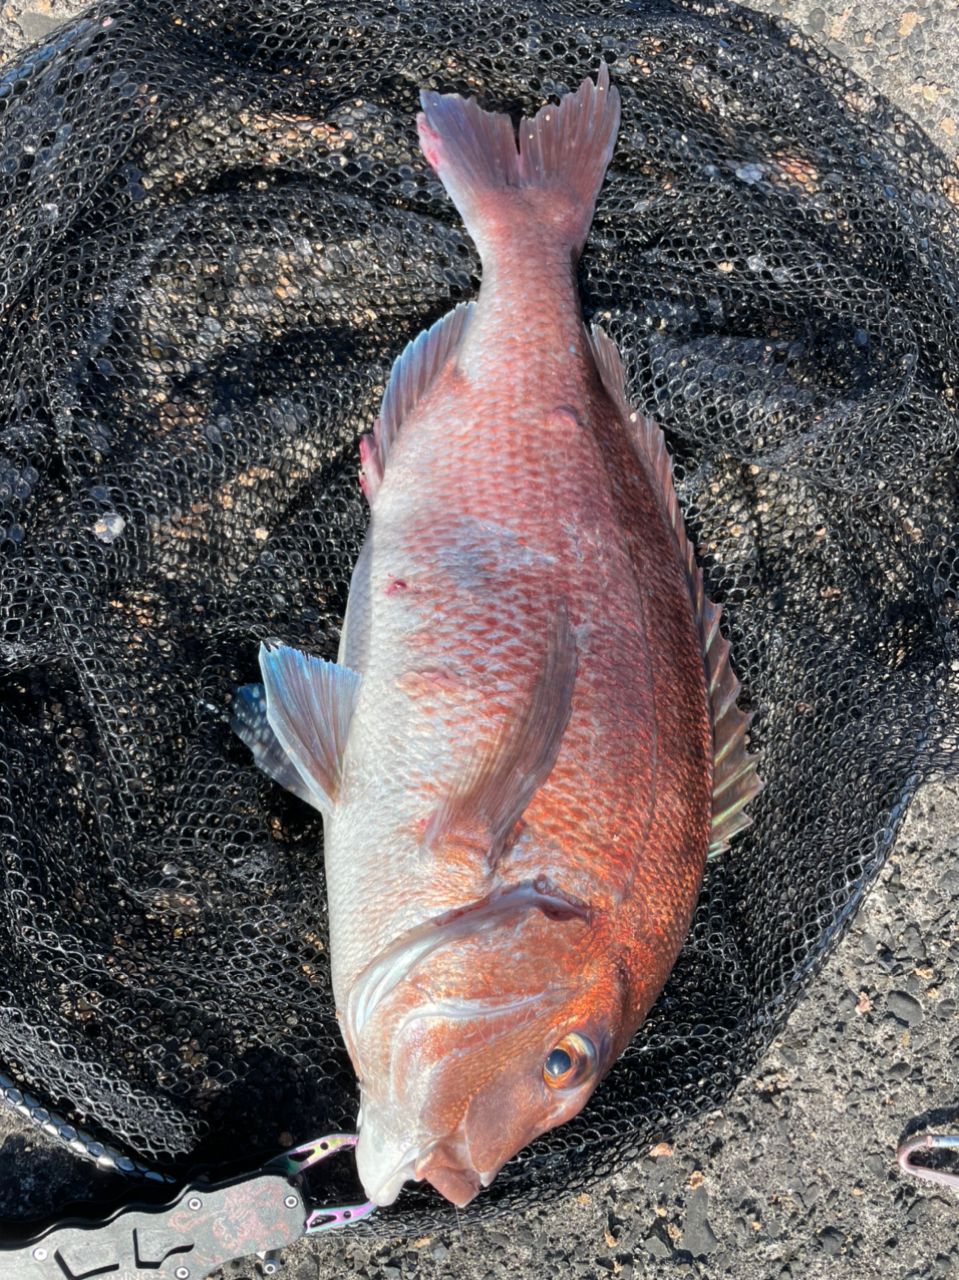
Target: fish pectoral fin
(309,704)
(412,375)
(494,792)
(736,780)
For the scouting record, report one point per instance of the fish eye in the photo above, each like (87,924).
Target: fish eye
(569,1062)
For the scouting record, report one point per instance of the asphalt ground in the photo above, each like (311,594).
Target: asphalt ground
(795,1179)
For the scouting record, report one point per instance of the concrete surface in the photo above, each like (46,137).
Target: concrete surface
(796,1179)
(907,50)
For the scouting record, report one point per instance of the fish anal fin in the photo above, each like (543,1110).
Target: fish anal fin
(736,780)
(414,372)
(309,705)
(483,809)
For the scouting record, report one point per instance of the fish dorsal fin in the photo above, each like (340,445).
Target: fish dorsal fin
(735,778)
(308,704)
(491,797)
(412,375)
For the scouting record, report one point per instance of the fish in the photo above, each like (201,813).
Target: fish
(530,740)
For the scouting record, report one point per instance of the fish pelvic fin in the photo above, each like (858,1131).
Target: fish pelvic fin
(736,779)
(559,164)
(297,722)
(414,372)
(484,807)
(249,721)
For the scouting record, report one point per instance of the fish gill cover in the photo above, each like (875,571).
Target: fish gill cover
(217,235)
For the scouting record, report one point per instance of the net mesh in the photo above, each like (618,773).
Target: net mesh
(218,233)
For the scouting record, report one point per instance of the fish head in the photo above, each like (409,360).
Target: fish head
(474,1034)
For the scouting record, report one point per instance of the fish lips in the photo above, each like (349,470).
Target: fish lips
(445,1163)
(457,1185)
(384,1166)
(457,1161)
(388,1154)
(450,1171)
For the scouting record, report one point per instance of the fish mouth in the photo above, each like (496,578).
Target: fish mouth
(446,1163)
(449,1167)
(457,1184)
(384,1167)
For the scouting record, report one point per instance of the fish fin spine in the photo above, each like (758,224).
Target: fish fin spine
(309,705)
(411,377)
(736,778)
(563,152)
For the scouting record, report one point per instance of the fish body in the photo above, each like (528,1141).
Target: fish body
(514,753)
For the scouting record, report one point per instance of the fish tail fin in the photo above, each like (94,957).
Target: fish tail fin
(556,171)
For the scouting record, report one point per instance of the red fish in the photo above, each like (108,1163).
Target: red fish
(530,740)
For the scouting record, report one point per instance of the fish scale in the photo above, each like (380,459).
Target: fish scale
(514,755)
